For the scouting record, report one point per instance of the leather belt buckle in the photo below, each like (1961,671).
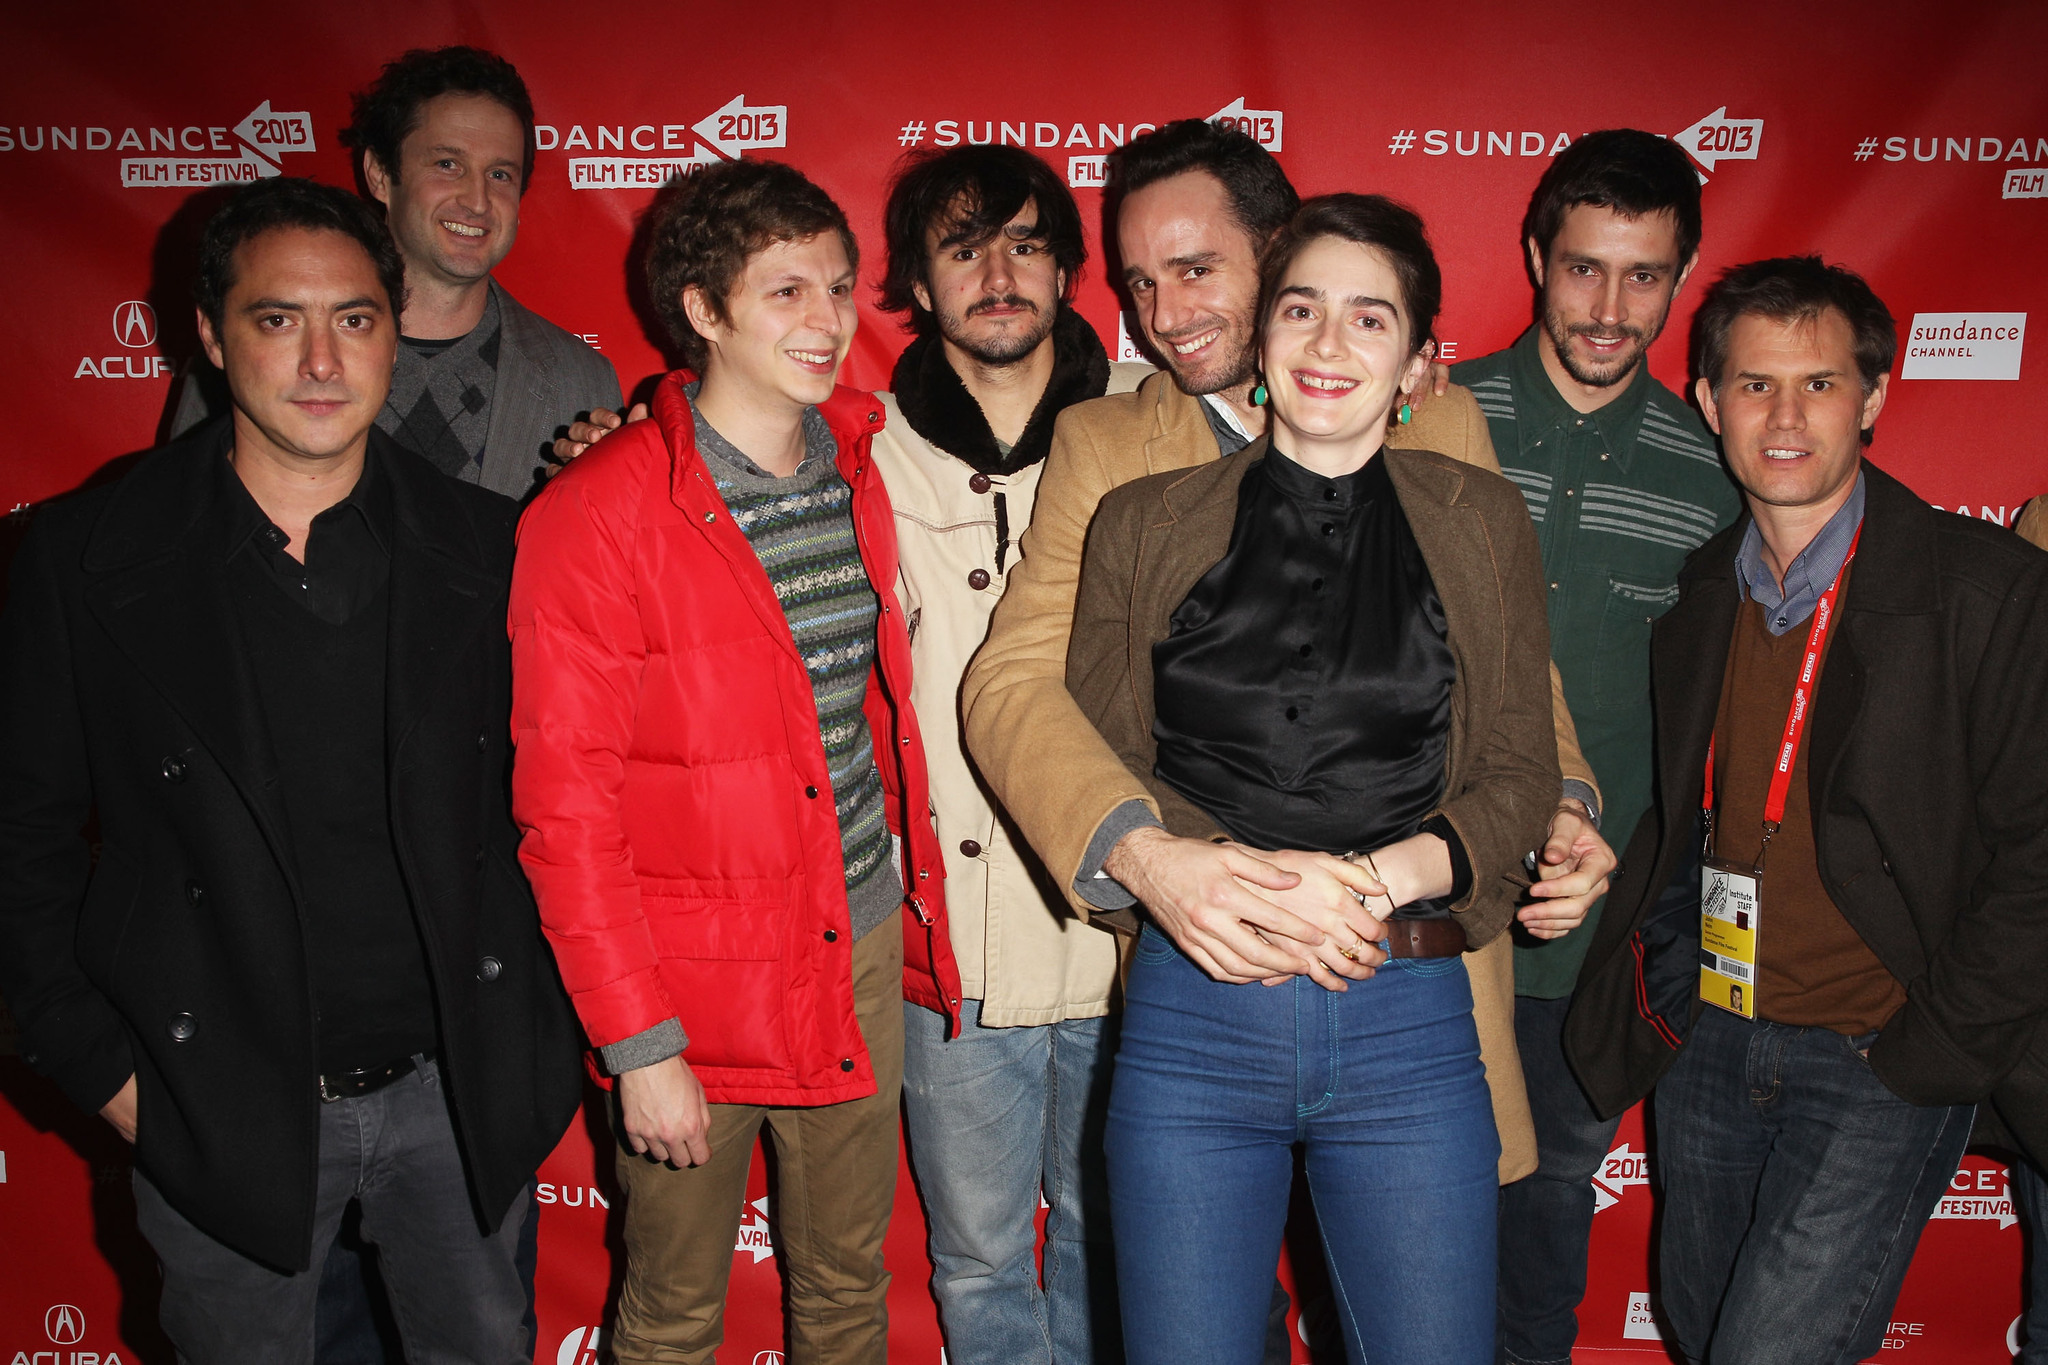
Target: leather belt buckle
(350,1085)
(1422,938)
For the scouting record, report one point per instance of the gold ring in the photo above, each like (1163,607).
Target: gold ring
(1352,952)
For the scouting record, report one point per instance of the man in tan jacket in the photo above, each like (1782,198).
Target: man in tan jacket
(1192,205)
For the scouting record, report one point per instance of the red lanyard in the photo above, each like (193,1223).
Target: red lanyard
(1802,703)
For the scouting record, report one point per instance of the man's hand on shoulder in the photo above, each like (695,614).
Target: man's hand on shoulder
(1573,868)
(587,433)
(1435,384)
(663,1110)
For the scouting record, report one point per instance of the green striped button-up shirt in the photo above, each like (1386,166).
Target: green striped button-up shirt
(1620,497)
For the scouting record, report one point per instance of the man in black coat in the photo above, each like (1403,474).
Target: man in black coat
(1831,942)
(305,969)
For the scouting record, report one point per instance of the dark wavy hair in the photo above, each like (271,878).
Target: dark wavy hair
(1794,289)
(383,115)
(972,192)
(1261,197)
(1625,169)
(706,226)
(1373,220)
(281,202)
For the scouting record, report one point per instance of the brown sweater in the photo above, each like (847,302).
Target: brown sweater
(1812,969)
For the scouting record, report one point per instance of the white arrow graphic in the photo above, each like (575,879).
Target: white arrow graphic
(1623,1167)
(739,125)
(273,134)
(755,1237)
(1720,138)
(1263,126)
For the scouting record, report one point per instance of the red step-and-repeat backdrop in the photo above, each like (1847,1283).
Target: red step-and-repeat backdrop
(1909,141)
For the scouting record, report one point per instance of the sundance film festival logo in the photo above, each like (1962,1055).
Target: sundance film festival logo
(134,328)
(193,155)
(1712,140)
(721,135)
(1087,144)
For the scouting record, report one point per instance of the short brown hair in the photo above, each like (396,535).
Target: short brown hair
(708,225)
(1373,220)
(1794,289)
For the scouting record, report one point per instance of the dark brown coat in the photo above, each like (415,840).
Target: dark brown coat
(1153,539)
(1928,778)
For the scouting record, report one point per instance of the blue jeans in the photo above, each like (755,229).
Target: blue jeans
(996,1116)
(1795,1186)
(1214,1086)
(2030,1198)
(1546,1218)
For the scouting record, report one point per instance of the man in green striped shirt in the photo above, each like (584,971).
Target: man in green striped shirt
(1623,480)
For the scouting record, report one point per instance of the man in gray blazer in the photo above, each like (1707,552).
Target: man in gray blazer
(482,384)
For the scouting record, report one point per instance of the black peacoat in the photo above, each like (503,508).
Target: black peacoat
(179,955)
(1928,771)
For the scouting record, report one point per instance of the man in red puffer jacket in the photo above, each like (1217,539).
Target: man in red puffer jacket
(720,779)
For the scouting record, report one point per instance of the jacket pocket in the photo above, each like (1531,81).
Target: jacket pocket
(722,966)
(1621,650)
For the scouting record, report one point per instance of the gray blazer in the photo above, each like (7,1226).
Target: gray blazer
(546,379)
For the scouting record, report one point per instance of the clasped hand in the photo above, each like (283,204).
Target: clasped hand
(1244,915)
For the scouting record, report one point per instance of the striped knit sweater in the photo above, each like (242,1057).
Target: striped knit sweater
(801,529)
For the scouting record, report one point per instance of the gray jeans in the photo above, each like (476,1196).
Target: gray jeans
(456,1294)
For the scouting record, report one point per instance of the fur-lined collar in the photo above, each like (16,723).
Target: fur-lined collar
(939,408)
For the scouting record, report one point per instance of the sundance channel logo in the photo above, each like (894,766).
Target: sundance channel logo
(1965,346)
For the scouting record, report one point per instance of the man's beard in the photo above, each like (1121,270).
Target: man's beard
(1002,348)
(1608,373)
(1221,373)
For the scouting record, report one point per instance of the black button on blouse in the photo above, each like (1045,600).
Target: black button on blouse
(1303,692)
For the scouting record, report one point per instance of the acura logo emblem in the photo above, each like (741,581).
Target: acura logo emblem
(64,1324)
(135,324)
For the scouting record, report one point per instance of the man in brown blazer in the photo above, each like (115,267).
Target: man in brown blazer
(1192,205)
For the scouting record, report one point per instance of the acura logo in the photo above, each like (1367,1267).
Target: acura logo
(584,1346)
(135,324)
(64,1325)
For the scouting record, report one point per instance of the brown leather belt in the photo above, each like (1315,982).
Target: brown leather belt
(1425,938)
(349,1085)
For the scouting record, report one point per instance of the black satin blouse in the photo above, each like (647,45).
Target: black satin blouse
(1303,693)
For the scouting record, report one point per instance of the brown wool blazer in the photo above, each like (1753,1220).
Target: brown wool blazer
(1153,539)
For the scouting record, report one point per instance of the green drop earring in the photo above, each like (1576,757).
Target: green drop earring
(1259,396)
(1407,414)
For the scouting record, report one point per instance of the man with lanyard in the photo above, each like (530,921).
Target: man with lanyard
(1830,941)
(482,384)
(1622,482)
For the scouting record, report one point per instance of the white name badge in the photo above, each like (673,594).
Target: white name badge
(1729,905)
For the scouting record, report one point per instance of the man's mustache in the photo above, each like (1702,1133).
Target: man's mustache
(1001,301)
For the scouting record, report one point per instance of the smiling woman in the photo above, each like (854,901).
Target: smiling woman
(1347,663)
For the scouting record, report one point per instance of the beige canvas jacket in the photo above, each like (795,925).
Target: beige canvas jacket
(1058,778)
(1022,952)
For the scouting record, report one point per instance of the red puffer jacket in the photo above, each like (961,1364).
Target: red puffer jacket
(670,780)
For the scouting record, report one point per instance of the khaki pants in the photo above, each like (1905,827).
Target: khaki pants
(835,1188)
